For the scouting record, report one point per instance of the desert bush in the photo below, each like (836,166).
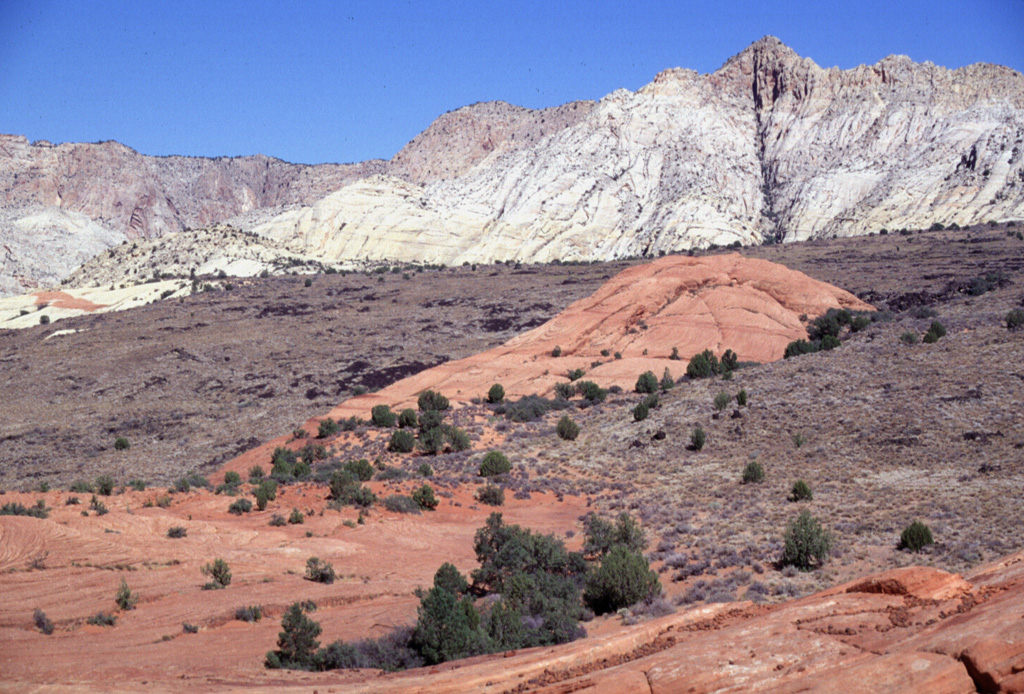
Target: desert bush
(249,613)
(265,491)
(424,497)
(44,320)
(575,374)
(909,338)
(828,342)
(328,427)
(591,392)
(425,470)
(491,495)
(102,619)
(675,354)
(122,444)
(105,485)
(623,578)
(448,627)
(564,390)
(741,398)
(859,323)
(703,365)
(219,572)
(176,531)
(82,487)
(494,463)
(433,441)
(556,352)
(256,473)
(319,571)
(458,439)
(232,478)
(697,438)
(429,400)
(496,394)
(753,473)
(98,506)
(916,536)
(399,503)
(640,412)
(601,535)
(533,407)
(297,641)
(722,401)
(798,347)
(567,429)
(407,418)
(277,520)
(806,543)
(730,360)
(1015,319)
(15,509)
(801,491)
(296,517)
(382,416)
(124,597)
(42,622)
(240,506)
(647,382)
(360,469)
(402,441)
(938,329)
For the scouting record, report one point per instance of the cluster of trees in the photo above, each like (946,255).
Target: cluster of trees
(432,434)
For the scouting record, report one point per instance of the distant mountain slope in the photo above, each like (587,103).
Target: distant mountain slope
(769,145)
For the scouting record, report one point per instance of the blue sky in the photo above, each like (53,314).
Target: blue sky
(345,81)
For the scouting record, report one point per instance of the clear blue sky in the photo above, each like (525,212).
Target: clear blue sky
(346,81)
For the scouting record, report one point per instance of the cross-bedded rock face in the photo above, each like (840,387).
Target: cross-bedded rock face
(770,144)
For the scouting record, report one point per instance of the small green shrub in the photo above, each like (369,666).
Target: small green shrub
(1015,319)
(916,536)
(122,444)
(722,401)
(277,521)
(829,342)
(296,517)
(703,365)
(220,572)
(798,347)
(623,579)
(232,478)
(44,320)
(361,469)
(646,383)
(407,418)
(328,427)
(319,571)
(640,412)
(250,613)
(256,474)
(567,429)
(859,323)
(105,485)
(556,352)
(938,329)
(125,598)
(425,470)
(801,491)
(591,392)
(429,400)
(575,374)
(15,509)
(753,473)
(399,503)
(402,441)
(382,416)
(43,622)
(741,398)
(798,439)
(491,495)
(176,531)
(496,394)
(102,619)
(240,506)
(82,487)
(424,497)
(494,463)
(697,439)
(297,640)
(807,544)
(909,338)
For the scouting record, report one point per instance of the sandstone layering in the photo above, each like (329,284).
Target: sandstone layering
(769,145)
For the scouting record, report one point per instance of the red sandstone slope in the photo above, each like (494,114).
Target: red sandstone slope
(716,302)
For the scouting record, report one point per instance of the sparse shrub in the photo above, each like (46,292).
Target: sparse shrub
(429,400)
(646,383)
(675,354)
(82,487)
(424,497)
(319,571)
(219,572)
(102,619)
(916,536)
(623,578)
(1015,319)
(640,412)
(909,338)
(930,338)
(105,485)
(15,509)
(667,382)
(265,491)
(43,622)
(567,429)
(277,521)
(496,394)
(176,531)
(491,495)
(402,441)
(122,444)
(328,427)
(399,503)
(730,360)
(753,473)
(801,491)
(249,613)
(807,544)
(232,478)
(697,439)
(425,470)
(556,352)
(564,390)
(361,469)
(575,374)
(297,640)
(382,416)
(407,418)
(296,517)
(741,398)
(98,506)
(859,323)
(798,347)
(458,439)
(591,392)
(124,597)
(494,463)
(798,439)
(256,474)
(601,535)
(44,320)
(240,506)
(938,329)
(828,342)
(703,365)
(722,401)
